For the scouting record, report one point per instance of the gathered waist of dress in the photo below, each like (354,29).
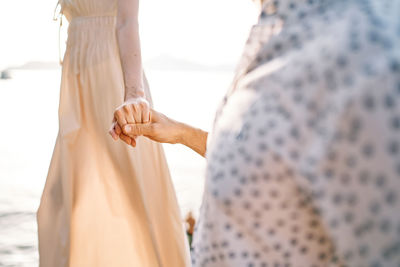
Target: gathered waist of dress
(91,29)
(92,22)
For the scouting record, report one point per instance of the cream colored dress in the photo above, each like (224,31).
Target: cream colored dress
(104,203)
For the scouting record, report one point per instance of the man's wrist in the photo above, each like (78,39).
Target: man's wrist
(187,134)
(182,131)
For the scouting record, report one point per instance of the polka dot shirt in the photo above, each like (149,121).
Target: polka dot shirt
(304,160)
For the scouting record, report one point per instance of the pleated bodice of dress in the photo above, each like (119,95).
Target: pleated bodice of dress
(91,32)
(88,8)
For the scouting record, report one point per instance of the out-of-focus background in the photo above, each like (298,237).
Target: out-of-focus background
(190,49)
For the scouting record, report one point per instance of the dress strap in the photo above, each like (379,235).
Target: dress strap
(58,16)
(57,11)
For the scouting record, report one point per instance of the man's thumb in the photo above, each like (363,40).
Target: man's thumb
(135,129)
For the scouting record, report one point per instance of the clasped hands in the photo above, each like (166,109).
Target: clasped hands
(135,118)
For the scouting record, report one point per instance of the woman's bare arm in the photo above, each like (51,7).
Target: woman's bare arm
(135,109)
(129,47)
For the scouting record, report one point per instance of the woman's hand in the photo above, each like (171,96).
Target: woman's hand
(116,133)
(132,111)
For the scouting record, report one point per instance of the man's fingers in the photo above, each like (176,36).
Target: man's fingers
(132,130)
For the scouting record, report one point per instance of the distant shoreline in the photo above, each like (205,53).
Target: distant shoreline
(6,74)
(36,65)
(162,62)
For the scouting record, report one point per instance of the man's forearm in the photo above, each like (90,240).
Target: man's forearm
(193,138)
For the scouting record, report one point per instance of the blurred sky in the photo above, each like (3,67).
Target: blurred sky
(208,31)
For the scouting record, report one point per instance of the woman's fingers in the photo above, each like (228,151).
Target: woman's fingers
(113,134)
(116,133)
(126,139)
(128,113)
(120,116)
(133,142)
(145,112)
(132,111)
(113,131)
(118,129)
(137,113)
(146,115)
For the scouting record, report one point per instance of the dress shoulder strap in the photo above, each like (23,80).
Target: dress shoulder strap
(58,16)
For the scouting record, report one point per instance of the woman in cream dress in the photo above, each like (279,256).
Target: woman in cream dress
(104,203)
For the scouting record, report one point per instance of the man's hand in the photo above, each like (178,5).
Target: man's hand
(165,130)
(160,129)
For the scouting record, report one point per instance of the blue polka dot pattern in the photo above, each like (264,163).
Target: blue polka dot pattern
(304,160)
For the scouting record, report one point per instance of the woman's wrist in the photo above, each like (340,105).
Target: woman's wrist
(134,93)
